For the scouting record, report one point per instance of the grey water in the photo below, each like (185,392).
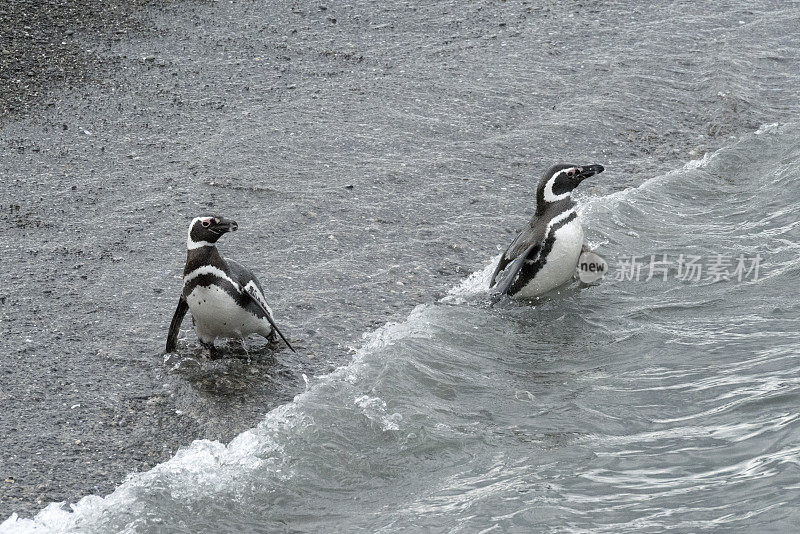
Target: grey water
(640,403)
(628,405)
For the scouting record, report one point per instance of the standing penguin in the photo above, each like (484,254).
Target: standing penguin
(544,254)
(225,298)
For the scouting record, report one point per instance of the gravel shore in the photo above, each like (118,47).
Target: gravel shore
(373,154)
(42,46)
(51,50)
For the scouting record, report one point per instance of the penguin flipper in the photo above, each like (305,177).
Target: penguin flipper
(501,264)
(509,275)
(529,236)
(258,298)
(175,325)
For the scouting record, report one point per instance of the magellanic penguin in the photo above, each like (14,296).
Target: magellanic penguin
(545,253)
(225,298)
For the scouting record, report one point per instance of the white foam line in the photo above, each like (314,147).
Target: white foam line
(473,285)
(695,164)
(204,467)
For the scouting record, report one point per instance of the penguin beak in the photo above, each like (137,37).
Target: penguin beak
(589,170)
(225,225)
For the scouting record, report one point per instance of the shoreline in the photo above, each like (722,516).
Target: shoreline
(372,154)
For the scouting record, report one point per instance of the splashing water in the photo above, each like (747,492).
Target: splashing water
(629,405)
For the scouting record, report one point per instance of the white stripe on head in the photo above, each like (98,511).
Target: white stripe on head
(210,269)
(190,243)
(549,196)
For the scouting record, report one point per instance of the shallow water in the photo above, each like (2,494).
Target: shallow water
(628,405)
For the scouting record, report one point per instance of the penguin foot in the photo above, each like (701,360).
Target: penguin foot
(213,352)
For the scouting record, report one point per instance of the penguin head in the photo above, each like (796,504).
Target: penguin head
(559,181)
(206,229)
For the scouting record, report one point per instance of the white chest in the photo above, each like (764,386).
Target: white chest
(561,261)
(217,314)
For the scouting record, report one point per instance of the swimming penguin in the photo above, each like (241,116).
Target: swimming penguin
(225,298)
(545,253)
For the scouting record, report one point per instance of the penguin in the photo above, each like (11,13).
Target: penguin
(545,253)
(224,297)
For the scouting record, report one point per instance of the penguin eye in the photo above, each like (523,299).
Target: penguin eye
(206,223)
(570,173)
